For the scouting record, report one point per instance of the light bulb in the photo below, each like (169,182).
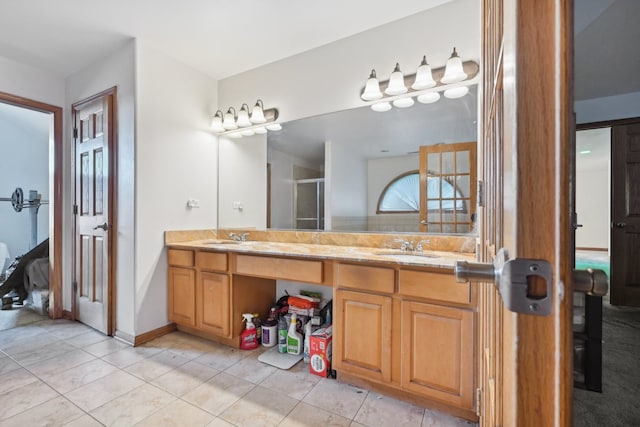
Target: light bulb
(396,82)
(235,135)
(243,116)
(257,113)
(372,88)
(456,92)
(429,97)
(216,122)
(229,121)
(274,126)
(424,76)
(260,130)
(247,132)
(381,107)
(453,71)
(403,102)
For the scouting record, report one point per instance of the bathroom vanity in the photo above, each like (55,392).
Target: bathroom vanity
(402,324)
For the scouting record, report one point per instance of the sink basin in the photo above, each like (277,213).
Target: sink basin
(405,255)
(219,242)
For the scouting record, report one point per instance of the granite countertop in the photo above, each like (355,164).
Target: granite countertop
(428,258)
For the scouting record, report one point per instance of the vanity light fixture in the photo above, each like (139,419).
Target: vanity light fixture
(244,123)
(427,84)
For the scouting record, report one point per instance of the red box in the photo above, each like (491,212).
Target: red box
(320,352)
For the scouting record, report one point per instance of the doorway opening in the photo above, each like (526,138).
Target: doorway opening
(30,208)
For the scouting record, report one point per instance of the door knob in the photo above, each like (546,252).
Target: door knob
(619,224)
(591,282)
(104,226)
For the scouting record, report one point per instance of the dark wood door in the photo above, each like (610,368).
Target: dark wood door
(625,215)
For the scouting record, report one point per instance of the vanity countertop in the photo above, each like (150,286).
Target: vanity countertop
(428,258)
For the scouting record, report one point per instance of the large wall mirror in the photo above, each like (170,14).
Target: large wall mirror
(359,170)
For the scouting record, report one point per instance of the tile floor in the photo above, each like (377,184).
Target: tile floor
(59,372)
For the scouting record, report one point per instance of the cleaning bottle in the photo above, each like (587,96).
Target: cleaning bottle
(282,334)
(248,338)
(258,324)
(307,340)
(270,330)
(294,338)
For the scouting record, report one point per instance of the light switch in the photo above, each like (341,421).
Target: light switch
(193,203)
(237,205)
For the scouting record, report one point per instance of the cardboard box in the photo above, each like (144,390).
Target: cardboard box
(320,352)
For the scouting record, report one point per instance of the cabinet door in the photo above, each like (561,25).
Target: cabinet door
(437,356)
(213,303)
(362,334)
(182,296)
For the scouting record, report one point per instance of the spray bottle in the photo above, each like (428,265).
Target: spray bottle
(282,334)
(248,338)
(294,338)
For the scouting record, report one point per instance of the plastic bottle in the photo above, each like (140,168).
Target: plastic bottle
(258,323)
(270,330)
(328,318)
(282,334)
(294,338)
(248,338)
(307,340)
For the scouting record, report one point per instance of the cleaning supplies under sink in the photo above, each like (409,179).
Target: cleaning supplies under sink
(294,338)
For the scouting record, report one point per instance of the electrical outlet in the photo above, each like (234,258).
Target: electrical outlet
(237,205)
(193,203)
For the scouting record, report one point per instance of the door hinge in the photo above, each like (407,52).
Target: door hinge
(75,132)
(481,194)
(478,401)
(75,209)
(75,287)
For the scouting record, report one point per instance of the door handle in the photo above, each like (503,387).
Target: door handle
(619,224)
(591,282)
(104,226)
(524,284)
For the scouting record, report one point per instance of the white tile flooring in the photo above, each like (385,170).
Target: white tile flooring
(55,373)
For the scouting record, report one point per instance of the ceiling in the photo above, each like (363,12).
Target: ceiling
(219,38)
(222,39)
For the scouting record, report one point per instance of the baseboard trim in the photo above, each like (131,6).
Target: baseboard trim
(593,249)
(66,314)
(153,334)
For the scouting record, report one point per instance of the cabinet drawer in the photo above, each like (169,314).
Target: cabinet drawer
(376,279)
(435,286)
(180,257)
(280,268)
(211,261)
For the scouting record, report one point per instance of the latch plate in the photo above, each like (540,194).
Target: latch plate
(518,281)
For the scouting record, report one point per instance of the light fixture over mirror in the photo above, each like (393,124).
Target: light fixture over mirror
(453,80)
(245,124)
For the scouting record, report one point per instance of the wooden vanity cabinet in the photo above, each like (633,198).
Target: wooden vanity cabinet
(362,337)
(437,352)
(406,330)
(213,294)
(182,287)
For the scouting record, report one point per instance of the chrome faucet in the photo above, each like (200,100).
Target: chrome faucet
(405,245)
(239,237)
(419,247)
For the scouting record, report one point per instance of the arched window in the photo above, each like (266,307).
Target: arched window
(402,195)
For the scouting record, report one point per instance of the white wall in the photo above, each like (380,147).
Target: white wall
(330,78)
(608,108)
(176,159)
(24,150)
(243,179)
(592,206)
(32,83)
(117,70)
